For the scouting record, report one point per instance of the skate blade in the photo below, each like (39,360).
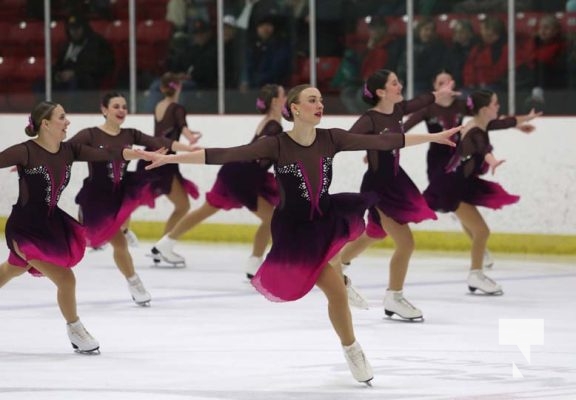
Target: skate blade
(168,265)
(480,292)
(368,382)
(392,316)
(93,352)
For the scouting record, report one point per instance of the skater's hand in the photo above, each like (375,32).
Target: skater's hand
(156,158)
(493,162)
(446,92)
(526,128)
(496,165)
(444,137)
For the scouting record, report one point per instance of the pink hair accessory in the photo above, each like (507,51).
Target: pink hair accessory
(260,104)
(469,103)
(174,85)
(367,92)
(285,111)
(31,122)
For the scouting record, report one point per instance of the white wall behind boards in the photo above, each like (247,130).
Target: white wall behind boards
(540,167)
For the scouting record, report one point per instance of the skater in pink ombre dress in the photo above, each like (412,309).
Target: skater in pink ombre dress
(399,200)
(238,184)
(461,190)
(170,123)
(111,193)
(446,114)
(43,239)
(309,226)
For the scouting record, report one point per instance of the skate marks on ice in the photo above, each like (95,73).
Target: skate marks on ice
(210,336)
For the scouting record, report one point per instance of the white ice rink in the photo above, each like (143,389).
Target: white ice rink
(209,336)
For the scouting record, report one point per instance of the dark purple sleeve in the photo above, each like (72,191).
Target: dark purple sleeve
(180,118)
(14,155)
(417,103)
(415,118)
(267,147)
(88,153)
(502,123)
(82,137)
(345,141)
(364,126)
(142,139)
(272,128)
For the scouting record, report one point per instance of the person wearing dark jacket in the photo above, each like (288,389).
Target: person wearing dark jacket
(85,61)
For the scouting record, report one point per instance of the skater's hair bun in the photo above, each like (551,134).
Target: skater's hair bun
(479,99)
(293,96)
(170,83)
(376,81)
(40,112)
(264,100)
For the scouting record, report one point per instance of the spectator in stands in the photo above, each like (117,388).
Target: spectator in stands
(547,58)
(330,27)
(85,61)
(487,63)
(268,57)
(183,13)
(194,58)
(382,51)
(429,56)
(463,40)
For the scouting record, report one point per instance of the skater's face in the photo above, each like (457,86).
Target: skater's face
(309,107)
(392,90)
(116,110)
(491,110)
(57,124)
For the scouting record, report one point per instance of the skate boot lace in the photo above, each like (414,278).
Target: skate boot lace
(402,300)
(485,278)
(82,333)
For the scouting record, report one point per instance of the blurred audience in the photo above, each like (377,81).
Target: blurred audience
(429,56)
(85,61)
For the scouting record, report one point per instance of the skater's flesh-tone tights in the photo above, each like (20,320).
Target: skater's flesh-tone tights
(332,284)
(404,247)
(476,228)
(63,278)
(261,239)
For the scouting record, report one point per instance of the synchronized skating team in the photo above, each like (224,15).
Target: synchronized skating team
(314,235)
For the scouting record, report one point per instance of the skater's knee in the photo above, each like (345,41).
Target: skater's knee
(9,271)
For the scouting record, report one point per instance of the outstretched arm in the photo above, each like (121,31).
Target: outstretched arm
(492,162)
(528,117)
(443,137)
(159,159)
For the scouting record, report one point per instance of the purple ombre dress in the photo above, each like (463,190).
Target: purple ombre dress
(110,193)
(398,196)
(439,118)
(41,230)
(169,127)
(309,226)
(461,182)
(239,184)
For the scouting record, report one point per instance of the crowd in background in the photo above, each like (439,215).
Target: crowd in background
(266,41)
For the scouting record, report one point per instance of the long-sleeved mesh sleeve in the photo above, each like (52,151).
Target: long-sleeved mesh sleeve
(345,141)
(267,147)
(14,155)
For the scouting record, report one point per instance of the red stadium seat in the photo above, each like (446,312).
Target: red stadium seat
(154,32)
(326,68)
(13,10)
(8,64)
